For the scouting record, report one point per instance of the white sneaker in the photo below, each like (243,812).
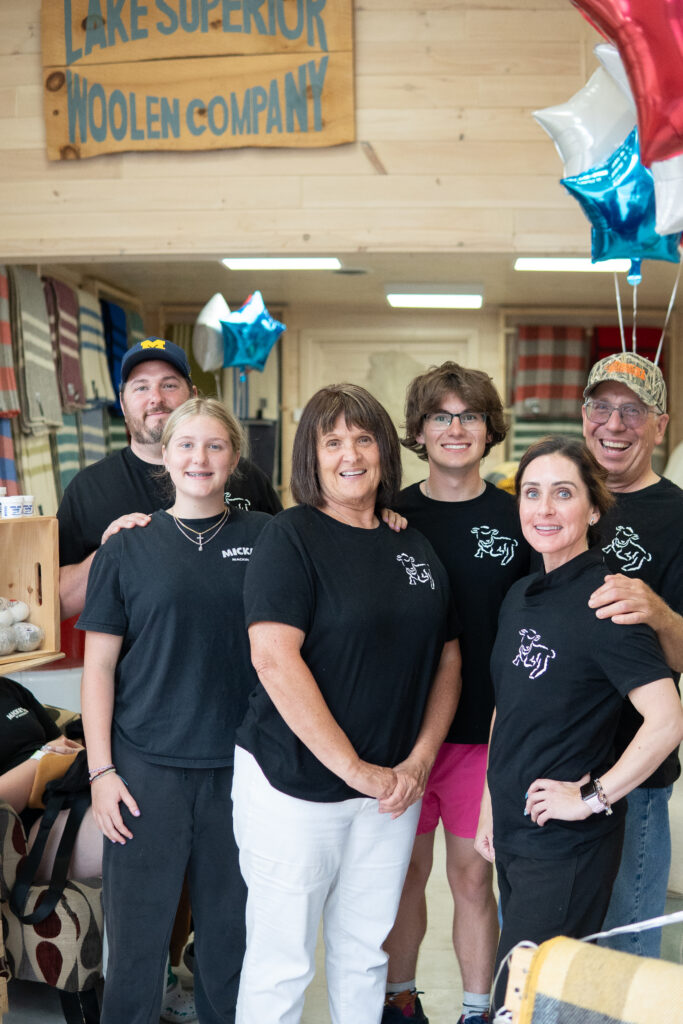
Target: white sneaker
(178,1005)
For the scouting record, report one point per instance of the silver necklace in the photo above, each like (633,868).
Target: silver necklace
(203,537)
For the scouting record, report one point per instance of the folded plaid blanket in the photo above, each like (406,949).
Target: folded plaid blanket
(551,368)
(34,365)
(62,308)
(9,399)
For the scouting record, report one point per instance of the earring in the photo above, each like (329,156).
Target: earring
(592,521)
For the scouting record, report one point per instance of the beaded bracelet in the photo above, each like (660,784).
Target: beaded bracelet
(600,793)
(100,775)
(94,772)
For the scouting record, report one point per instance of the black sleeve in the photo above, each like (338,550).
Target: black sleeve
(73,543)
(104,610)
(630,656)
(25,696)
(279,586)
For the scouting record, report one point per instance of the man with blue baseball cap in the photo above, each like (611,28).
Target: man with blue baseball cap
(122,490)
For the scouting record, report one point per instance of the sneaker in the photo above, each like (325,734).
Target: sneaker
(475,1018)
(402,1006)
(178,1006)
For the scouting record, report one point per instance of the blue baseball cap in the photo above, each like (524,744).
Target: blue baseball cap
(155,348)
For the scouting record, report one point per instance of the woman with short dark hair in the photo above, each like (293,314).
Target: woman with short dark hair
(353,638)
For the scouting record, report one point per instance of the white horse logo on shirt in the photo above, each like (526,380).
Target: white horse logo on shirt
(418,572)
(490,542)
(532,654)
(625,549)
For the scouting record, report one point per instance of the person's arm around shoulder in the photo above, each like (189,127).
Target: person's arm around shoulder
(661,732)
(97,705)
(73,579)
(629,601)
(276,657)
(412,774)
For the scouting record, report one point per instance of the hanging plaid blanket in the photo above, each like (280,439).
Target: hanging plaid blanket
(8,468)
(551,368)
(93,440)
(62,308)
(39,401)
(98,389)
(116,340)
(9,399)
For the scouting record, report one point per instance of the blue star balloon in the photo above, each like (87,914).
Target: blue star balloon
(618,198)
(249,333)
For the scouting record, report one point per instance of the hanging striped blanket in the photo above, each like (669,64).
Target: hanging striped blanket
(62,308)
(8,467)
(551,368)
(115,431)
(98,388)
(66,452)
(40,406)
(525,432)
(116,340)
(92,435)
(9,399)
(34,456)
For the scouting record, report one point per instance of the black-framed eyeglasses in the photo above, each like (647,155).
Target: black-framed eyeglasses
(441,420)
(632,415)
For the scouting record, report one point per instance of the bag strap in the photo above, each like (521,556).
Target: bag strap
(27,870)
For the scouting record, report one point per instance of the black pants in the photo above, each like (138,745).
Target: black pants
(544,898)
(185,823)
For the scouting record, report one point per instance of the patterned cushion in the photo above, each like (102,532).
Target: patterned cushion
(64,950)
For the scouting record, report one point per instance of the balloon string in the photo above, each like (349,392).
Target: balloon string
(621,319)
(635,316)
(668,314)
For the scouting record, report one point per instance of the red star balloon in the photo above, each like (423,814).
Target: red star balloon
(649,37)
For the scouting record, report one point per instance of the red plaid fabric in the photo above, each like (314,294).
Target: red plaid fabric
(550,371)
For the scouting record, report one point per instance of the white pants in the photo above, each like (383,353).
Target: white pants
(300,860)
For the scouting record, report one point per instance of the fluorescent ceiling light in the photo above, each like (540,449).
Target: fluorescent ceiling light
(282,263)
(573,265)
(434,296)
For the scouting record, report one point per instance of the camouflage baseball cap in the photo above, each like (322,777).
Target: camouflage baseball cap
(639,374)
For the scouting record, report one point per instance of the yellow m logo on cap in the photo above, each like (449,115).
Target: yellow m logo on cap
(157,343)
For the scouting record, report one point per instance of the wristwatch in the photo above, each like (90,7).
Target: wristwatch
(594,795)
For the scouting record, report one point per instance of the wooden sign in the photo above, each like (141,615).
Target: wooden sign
(124,75)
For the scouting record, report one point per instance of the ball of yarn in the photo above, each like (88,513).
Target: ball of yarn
(8,640)
(6,617)
(28,636)
(19,610)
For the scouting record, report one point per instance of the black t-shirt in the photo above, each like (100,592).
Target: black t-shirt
(481,545)
(643,537)
(560,676)
(25,725)
(184,672)
(376,610)
(122,483)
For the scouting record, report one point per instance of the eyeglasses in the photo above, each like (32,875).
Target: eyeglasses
(633,416)
(442,420)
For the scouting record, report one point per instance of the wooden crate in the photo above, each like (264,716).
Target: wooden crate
(29,571)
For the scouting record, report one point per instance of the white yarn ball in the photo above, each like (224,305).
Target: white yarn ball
(28,636)
(6,618)
(19,610)
(8,640)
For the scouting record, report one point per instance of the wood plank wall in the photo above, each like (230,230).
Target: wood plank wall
(447,158)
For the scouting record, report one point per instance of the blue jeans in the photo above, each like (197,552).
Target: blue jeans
(640,889)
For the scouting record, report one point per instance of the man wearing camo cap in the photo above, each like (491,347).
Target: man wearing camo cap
(624,419)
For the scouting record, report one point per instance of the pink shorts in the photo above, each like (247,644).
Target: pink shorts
(454,790)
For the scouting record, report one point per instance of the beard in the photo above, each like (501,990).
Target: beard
(142,433)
